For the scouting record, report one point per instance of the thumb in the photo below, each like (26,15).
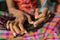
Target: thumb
(36,13)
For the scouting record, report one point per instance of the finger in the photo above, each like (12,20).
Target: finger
(41,16)
(37,9)
(36,13)
(47,18)
(40,20)
(35,25)
(11,28)
(7,24)
(49,15)
(44,10)
(48,12)
(22,27)
(16,28)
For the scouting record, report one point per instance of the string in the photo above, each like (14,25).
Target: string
(43,5)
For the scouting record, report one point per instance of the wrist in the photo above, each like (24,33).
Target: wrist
(11,10)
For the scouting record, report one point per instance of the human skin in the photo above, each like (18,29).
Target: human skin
(41,16)
(20,18)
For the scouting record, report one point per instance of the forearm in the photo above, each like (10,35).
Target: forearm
(10,4)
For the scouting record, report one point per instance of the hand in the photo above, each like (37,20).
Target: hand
(12,26)
(39,21)
(19,19)
(42,17)
(16,13)
(44,13)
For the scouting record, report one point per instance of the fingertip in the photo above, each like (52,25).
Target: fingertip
(36,17)
(25,31)
(37,9)
(48,12)
(14,34)
(7,24)
(34,25)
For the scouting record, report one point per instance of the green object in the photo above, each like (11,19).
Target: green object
(2,39)
(31,39)
(0,12)
(41,31)
(59,28)
(48,34)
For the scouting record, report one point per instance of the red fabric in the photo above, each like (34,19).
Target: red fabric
(26,5)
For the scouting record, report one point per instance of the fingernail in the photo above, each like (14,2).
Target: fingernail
(14,34)
(25,32)
(35,17)
(7,27)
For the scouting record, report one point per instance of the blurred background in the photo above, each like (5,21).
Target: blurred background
(3,5)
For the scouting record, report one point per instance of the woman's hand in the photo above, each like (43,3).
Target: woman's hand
(41,16)
(13,27)
(16,26)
